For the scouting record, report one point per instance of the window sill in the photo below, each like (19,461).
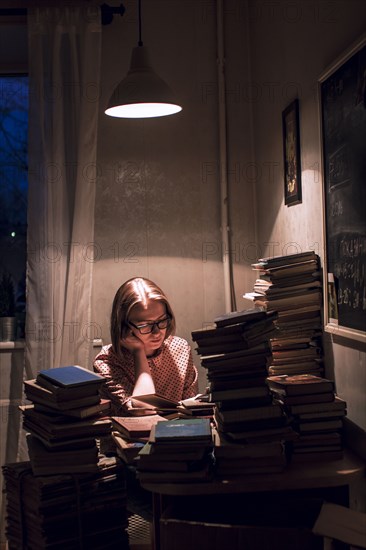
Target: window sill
(17,344)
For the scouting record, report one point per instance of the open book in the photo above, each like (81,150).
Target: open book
(154,402)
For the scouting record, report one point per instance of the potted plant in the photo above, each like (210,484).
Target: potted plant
(7,308)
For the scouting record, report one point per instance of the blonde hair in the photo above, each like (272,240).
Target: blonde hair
(137,290)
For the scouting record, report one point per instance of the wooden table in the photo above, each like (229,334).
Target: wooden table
(324,477)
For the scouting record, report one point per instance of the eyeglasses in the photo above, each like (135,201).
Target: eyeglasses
(147,328)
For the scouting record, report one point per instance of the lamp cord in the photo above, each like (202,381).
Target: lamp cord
(140,24)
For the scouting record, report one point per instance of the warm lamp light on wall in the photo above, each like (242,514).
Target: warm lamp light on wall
(142,93)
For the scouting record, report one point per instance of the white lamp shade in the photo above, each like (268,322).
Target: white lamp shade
(142,93)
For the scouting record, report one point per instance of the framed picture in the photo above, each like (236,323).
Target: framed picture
(342,106)
(291,153)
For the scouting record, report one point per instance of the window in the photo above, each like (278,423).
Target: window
(14,184)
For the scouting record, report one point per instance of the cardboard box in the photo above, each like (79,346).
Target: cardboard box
(189,527)
(178,534)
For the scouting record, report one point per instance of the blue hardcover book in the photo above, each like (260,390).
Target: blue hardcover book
(70,377)
(183,429)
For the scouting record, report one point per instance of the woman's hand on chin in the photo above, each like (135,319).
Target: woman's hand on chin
(133,343)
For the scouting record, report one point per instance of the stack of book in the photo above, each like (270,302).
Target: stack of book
(244,411)
(292,286)
(130,434)
(66,511)
(178,451)
(64,421)
(317,414)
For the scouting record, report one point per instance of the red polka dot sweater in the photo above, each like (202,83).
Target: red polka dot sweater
(173,372)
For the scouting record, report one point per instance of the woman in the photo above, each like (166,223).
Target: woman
(144,356)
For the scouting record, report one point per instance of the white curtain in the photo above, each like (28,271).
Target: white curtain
(64,71)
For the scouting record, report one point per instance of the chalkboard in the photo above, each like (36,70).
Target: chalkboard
(343,123)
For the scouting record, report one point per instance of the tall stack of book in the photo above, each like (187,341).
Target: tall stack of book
(317,414)
(66,511)
(244,412)
(178,451)
(292,286)
(64,421)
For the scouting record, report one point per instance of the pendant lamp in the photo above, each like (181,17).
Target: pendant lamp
(142,93)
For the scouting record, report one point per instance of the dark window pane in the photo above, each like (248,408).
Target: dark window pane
(14,181)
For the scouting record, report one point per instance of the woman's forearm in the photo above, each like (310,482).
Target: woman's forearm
(144,381)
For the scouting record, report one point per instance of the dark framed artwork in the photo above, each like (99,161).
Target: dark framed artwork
(291,153)
(342,105)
